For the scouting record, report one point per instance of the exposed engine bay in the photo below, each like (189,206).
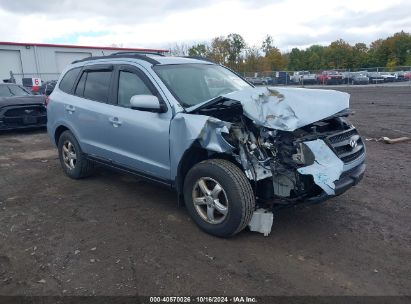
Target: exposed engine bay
(271,158)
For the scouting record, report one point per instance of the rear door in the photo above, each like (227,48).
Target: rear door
(91,108)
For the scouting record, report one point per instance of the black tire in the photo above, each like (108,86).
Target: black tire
(237,188)
(82,167)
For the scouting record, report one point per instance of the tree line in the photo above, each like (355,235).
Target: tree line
(234,52)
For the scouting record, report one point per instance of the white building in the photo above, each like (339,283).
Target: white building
(46,61)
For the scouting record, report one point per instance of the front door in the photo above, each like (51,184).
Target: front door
(139,138)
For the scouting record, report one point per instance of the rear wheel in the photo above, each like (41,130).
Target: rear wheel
(219,197)
(72,159)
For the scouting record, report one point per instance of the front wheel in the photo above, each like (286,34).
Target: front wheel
(219,197)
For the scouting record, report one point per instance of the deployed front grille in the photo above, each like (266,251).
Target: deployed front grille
(24,111)
(21,116)
(348,145)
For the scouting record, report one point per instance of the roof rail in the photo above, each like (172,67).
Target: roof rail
(199,58)
(135,55)
(158,53)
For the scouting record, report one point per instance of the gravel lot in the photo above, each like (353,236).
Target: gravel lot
(113,234)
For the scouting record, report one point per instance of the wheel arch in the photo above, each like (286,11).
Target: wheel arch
(57,133)
(192,156)
(62,127)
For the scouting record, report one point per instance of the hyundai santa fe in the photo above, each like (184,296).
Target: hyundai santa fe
(231,151)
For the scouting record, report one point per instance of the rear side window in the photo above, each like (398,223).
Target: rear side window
(4,91)
(80,86)
(18,91)
(97,85)
(66,84)
(130,84)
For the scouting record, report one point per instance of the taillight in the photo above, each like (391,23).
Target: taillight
(46,101)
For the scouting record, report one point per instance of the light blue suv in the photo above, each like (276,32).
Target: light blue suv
(231,151)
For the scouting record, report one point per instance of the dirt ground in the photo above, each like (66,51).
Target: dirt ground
(113,234)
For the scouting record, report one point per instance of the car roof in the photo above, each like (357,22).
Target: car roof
(152,59)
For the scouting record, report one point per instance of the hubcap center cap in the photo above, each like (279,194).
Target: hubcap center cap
(209,201)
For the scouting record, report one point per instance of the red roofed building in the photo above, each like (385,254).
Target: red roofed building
(47,61)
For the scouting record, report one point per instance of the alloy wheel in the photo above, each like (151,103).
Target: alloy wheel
(210,200)
(69,155)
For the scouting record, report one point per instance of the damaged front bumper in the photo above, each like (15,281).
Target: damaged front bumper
(337,164)
(347,180)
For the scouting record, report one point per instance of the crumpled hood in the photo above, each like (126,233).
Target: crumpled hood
(287,109)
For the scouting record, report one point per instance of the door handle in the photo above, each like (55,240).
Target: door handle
(70,108)
(115,121)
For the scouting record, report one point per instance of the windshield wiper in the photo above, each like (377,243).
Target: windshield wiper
(206,104)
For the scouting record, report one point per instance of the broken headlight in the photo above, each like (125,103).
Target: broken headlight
(304,156)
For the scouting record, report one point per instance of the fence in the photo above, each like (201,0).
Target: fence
(314,77)
(336,76)
(18,77)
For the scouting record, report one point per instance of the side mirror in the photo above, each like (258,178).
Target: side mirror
(147,103)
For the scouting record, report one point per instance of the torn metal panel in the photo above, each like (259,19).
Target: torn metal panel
(285,109)
(327,167)
(187,128)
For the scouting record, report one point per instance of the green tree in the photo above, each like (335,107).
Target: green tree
(236,44)
(339,55)
(296,59)
(360,55)
(276,61)
(219,50)
(198,50)
(267,44)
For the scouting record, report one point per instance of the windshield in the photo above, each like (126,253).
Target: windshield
(192,84)
(12,90)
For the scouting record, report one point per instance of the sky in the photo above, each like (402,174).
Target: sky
(161,24)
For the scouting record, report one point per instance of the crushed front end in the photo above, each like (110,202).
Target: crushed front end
(312,163)
(293,150)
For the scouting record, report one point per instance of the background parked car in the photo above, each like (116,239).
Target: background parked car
(257,80)
(388,77)
(19,108)
(269,80)
(303,77)
(375,77)
(330,77)
(47,87)
(359,78)
(282,77)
